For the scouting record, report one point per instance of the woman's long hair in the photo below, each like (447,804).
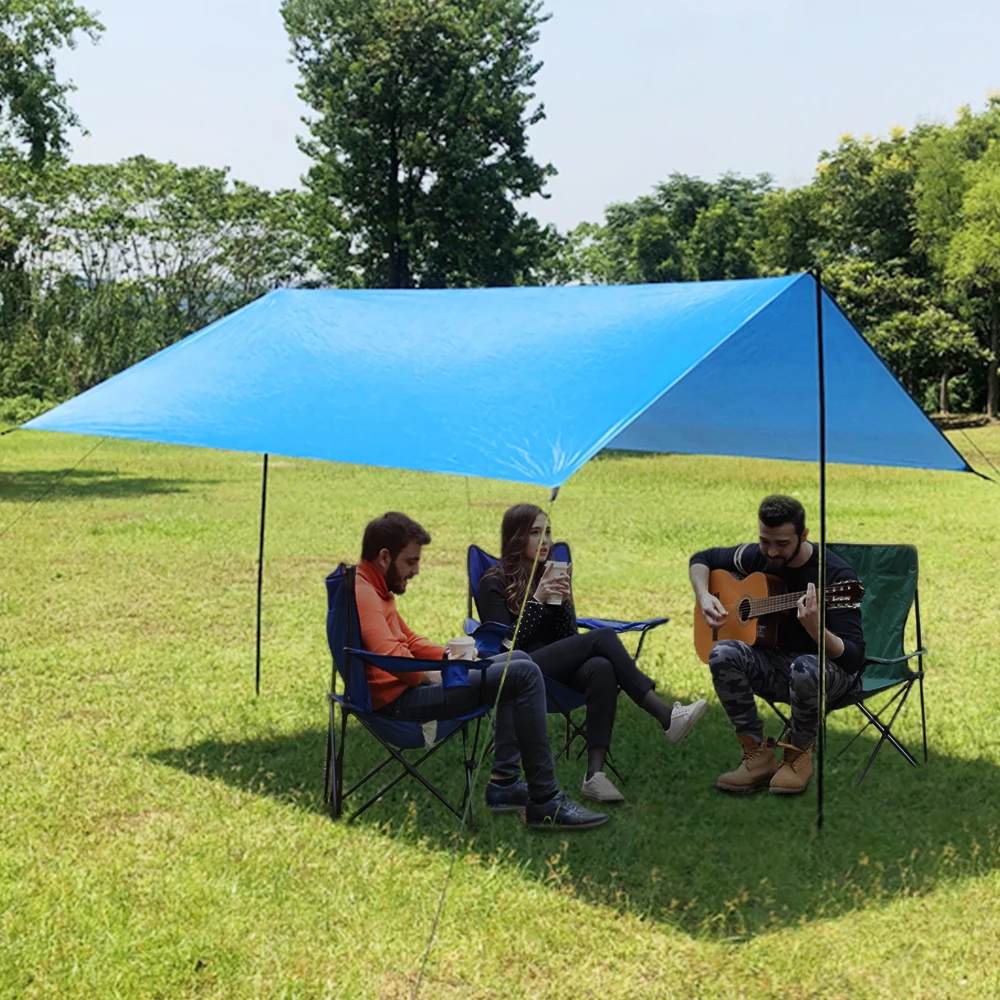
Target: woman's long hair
(514,533)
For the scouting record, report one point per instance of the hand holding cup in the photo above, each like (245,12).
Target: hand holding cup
(554,586)
(463,648)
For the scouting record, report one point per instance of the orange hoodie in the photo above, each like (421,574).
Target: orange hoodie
(384,632)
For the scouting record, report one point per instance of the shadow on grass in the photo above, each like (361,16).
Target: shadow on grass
(678,851)
(83,484)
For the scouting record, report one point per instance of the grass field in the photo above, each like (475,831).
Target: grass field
(162,832)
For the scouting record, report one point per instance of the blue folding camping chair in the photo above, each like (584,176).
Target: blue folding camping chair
(343,633)
(562,700)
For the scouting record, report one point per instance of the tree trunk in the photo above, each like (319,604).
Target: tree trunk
(943,398)
(992,383)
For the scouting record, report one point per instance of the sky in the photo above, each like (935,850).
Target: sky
(634,90)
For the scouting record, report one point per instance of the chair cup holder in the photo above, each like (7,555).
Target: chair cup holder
(455,673)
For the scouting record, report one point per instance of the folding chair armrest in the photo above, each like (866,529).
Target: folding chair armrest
(895,659)
(489,636)
(620,626)
(394,664)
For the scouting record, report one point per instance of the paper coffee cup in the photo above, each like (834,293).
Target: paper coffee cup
(463,648)
(560,569)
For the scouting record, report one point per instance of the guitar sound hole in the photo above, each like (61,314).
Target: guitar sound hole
(744,610)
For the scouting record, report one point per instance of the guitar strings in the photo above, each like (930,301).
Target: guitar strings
(760,606)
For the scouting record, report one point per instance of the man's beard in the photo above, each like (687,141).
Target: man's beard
(782,561)
(394,581)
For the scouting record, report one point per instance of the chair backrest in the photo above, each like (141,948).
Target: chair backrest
(478,561)
(343,630)
(889,575)
(560,552)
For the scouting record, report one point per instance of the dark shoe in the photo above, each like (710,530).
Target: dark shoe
(561,813)
(507,798)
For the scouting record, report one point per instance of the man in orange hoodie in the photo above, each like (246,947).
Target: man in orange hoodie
(390,558)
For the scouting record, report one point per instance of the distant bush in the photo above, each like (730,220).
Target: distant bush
(15,410)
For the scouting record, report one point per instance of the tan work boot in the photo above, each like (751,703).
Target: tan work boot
(795,771)
(756,768)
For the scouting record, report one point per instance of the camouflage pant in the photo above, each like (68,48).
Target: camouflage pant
(740,671)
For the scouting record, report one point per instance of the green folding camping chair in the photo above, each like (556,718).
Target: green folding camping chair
(889,575)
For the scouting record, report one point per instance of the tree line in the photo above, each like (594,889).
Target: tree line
(418,139)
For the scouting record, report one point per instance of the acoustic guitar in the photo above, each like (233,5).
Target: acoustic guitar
(755,604)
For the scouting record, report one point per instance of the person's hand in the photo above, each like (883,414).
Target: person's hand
(431,677)
(713,611)
(553,584)
(808,610)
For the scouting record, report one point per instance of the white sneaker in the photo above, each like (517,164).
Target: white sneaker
(600,788)
(683,718)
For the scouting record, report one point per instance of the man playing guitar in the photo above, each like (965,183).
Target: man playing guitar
(788,671)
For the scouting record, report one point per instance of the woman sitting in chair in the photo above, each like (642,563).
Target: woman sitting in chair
(594,663)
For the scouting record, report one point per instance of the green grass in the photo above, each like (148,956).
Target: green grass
(162,832)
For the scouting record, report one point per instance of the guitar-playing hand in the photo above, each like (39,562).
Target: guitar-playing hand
(713,611)
(808,610)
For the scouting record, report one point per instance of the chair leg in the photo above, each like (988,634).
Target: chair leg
(339,758)
(411,769)
(611,764)
(330,751)
(886,734)
(872,717)
(923,716)
(566,746)
(786,726)
(470,767)
(638,649)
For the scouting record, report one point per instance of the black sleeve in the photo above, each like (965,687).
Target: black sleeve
(491,601)
(742,559)
(563,619)
(846,626)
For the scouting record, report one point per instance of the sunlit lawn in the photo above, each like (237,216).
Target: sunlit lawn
(162,832)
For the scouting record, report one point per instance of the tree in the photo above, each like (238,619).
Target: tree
(687,229)
(866,187)
(789,232)
(115,261)
(927,345)
(920,341)
(719,246)
(419,138)
(34,112)
(973,260)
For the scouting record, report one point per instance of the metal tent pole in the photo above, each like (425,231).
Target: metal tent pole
(821,580)
(260,567)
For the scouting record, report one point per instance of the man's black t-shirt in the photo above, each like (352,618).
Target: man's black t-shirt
(743,560)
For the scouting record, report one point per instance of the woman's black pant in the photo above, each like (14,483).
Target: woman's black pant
(596,664)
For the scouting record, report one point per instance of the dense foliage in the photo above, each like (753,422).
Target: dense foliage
(111,262)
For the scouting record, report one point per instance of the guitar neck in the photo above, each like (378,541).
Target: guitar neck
(776,603)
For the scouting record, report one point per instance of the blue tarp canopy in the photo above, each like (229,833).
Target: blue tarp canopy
(523,384)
